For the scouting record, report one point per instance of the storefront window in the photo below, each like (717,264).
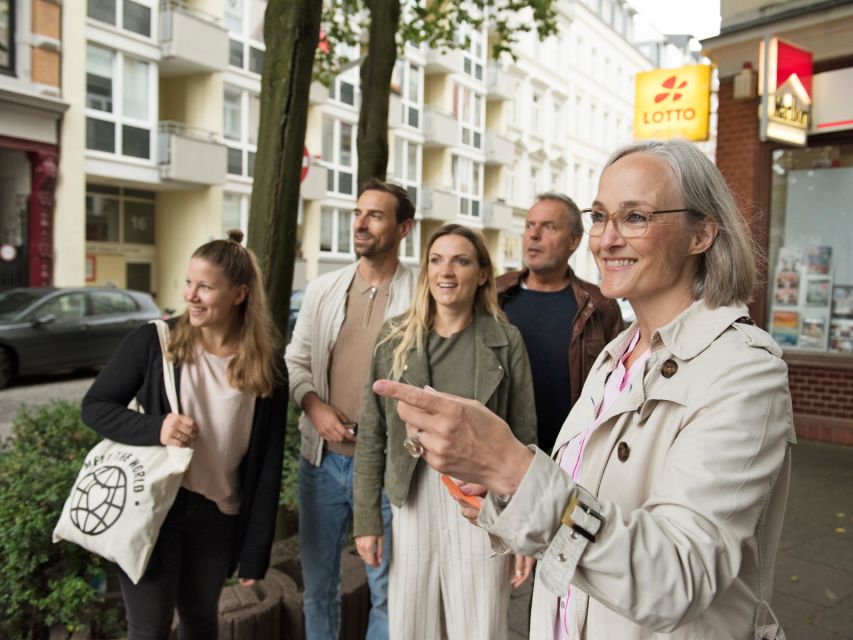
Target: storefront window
(810,258)
(6,40)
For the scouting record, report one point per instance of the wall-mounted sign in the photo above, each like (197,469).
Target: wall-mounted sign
(832,101)
(785,84)
(673,103)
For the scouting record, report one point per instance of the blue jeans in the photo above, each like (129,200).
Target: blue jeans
(325,509)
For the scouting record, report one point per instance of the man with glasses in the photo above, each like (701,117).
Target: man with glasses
(565,321)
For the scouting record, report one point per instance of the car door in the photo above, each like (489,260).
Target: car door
(111,316)
(56,336)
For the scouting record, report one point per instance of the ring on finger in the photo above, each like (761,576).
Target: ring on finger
(413,445)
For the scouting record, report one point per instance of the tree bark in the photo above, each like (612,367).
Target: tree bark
(291,33)
(376,70)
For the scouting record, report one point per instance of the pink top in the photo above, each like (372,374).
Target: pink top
(571,453)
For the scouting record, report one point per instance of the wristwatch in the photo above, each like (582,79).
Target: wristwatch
(583,514)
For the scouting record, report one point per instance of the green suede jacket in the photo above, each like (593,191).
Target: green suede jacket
(502,382)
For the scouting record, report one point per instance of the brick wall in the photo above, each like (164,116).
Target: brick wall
(823,403)
(738,145)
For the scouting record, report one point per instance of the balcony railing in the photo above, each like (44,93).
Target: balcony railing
(440,129)
(497,215)
(191,40)
(499,149)
(438,204)
(191,155)
(443,62)
(501,84)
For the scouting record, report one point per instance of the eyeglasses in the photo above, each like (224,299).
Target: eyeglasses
(629,223)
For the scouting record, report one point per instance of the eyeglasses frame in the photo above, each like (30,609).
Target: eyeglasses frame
(609,216)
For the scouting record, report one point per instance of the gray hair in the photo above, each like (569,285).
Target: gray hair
(728,272)
(571,208)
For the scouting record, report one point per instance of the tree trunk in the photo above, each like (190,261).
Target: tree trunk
(291,33)
(376,70)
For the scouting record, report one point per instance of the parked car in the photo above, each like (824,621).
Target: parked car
(295,304)
(47,330)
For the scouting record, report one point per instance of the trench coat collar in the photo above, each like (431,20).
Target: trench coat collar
(687,335)
(488,371)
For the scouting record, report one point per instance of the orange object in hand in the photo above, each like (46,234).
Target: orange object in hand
(456,492)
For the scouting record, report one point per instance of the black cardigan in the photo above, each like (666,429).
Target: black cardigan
(136,370)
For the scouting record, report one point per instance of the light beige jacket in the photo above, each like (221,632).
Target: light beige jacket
(692,514)
(317,327)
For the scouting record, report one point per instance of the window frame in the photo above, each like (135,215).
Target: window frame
(120,14)
(467,100)
(472,199)
(248,44)
(243,144)
(337,213)
(335,168)
(9,67)
(121,196)
(116,116)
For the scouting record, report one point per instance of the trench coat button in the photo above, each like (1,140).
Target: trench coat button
(669,368)
(623,451)
(561,557)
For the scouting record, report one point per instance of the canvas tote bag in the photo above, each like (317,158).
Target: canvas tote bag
(122,494)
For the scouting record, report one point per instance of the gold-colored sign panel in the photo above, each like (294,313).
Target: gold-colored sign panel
(673,103)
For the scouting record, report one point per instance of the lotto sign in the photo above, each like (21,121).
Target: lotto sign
(673,103)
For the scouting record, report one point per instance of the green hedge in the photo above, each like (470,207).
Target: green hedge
(41,583)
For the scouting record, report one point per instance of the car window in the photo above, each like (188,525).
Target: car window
(67,306)
(106,302)
(16,300)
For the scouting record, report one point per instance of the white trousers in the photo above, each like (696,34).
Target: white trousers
(444,582)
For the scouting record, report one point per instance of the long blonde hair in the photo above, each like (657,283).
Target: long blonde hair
(415,325)
(251,369)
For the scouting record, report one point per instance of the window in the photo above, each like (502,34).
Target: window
(244,20)
(119,215)
(409,78)
(240,120)
(536,113)
(335,231)
(468,108)
(119,116)
(810,256)
(7,40)
(125,14)
(407,166)
(68,306)
(107,302)
(410,245)
(343,91)
(512,250)
(468,185)
(555,181)
(339,156)
(474,54)
(235,212)
(534,183)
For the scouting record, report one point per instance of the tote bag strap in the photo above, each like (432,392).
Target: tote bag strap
(168,367)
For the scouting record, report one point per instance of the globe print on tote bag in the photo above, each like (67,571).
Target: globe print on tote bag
(98,500)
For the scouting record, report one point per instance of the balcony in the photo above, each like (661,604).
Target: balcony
(191,41)
(190,155)
(501,84)
(438,204)
(318,93)
(497,215)
(440,129)
(314,185)
(395,111)
(443,62)
(499,149)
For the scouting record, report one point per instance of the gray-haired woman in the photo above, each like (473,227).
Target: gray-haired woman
(659,513)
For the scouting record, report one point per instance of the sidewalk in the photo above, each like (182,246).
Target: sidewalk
(813,594)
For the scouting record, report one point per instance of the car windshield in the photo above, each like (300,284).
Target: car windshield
(14,301)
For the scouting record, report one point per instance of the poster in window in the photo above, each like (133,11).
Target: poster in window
(817,291)
(813,332)
(819,260)
(786,325)
(790,259)
(842,301)
(787,289)
(841,335)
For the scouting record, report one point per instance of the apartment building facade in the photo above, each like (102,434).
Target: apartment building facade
(31,106)
(159,137)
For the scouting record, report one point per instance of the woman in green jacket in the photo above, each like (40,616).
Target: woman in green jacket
(443,580)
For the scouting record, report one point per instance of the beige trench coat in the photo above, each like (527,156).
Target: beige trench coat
(694,511)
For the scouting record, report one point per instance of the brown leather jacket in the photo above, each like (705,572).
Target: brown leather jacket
(597,322)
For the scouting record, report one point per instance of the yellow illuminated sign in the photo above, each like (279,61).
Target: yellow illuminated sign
(673,103)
